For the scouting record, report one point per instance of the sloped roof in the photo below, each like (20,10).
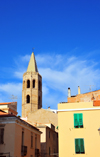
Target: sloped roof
(43,116)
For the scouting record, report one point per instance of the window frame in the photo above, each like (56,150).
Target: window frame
(78,120)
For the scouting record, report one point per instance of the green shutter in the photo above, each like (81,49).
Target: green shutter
(81,145)
(77,150)
(75,120)
(80,116)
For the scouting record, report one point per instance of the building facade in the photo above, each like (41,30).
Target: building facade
(49,140)
(18,138)
(79,129)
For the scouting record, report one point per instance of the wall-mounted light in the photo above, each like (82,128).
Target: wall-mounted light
(99,131)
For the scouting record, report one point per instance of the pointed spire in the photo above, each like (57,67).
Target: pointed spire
(32,66)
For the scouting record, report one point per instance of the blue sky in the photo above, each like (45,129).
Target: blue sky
(66,37)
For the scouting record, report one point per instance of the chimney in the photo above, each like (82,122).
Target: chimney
(49,108)
(79,92)
(69,92)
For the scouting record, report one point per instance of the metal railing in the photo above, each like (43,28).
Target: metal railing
(23,150)
(37,154)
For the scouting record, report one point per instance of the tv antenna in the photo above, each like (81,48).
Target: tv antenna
(13,98)
(33,49)
(90,87)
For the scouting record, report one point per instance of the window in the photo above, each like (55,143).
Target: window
(1,135)
(39,85)
(22,138)
(79,146)
(33,83)
(31,140)
(78,120)
(27,99)
(49,150)
(28,83)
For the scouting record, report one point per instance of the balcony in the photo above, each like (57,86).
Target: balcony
(37,154)
(23,150)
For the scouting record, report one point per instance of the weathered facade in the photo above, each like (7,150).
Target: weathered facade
(86,97)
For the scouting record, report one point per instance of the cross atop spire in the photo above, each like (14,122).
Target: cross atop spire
(32,66)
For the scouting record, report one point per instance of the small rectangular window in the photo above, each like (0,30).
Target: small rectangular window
(31,141)
(1,135)
(78,120)
(49,150)
(22,138)
(79,146)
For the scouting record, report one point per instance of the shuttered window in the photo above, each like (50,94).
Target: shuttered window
(78,120)
(79,146)
(77,150)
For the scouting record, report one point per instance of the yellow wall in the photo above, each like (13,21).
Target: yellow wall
(67,132)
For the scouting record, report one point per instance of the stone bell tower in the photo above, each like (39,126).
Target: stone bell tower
(32,88)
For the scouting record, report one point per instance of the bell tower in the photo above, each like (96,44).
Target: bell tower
(32,88)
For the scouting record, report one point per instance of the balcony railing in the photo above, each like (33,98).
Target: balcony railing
(37,154)
(23,150)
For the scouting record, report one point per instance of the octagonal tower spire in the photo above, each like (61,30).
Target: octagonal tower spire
(32,66)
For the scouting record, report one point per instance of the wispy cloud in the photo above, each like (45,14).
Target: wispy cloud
(58,73)
(11,88)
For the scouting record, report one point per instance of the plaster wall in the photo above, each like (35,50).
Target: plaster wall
(13,139)
(9,139)
(68,134)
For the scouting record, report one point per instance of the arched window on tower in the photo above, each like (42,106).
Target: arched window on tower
(33,83)
(27,99)
(39,85)
(28,83)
